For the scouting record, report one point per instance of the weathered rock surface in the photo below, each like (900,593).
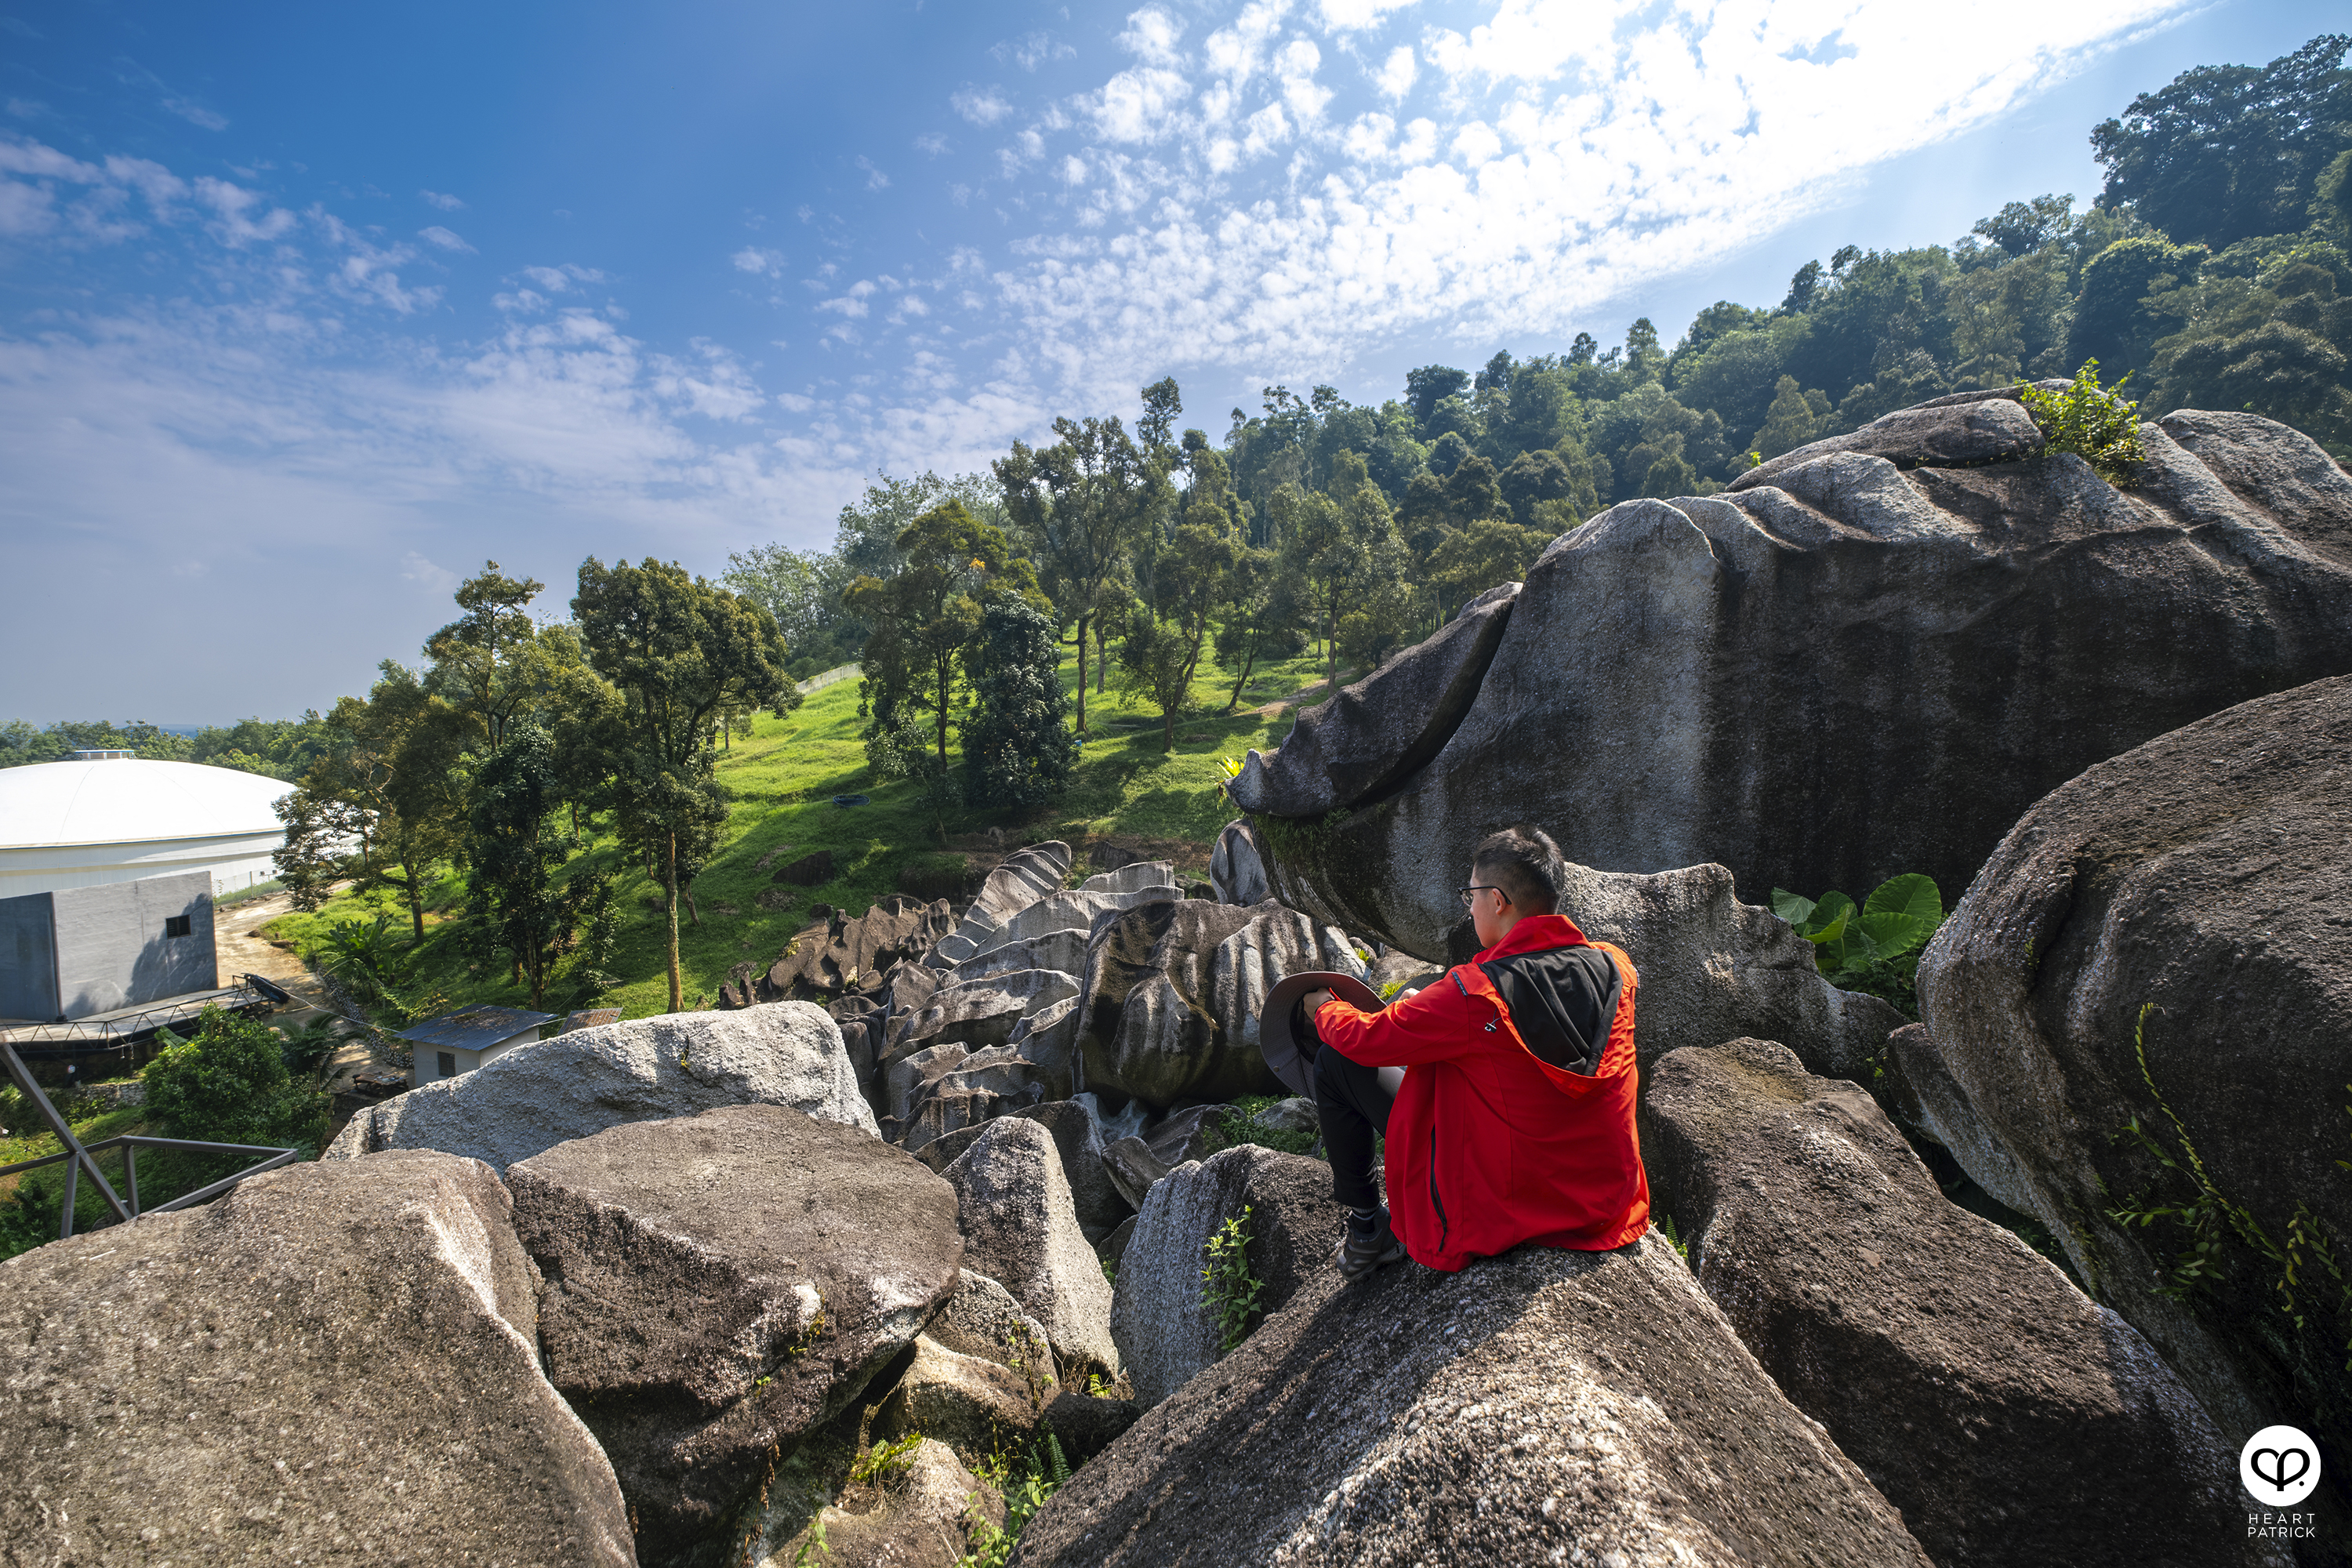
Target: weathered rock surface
(331,1362)
(1937,435)
(1061,949)
(537,1096)
(981,1319)
(1985,1395)
(1277,944)
(1152,1029)
(1139,1162)
(1021,1229)
(912,1521)
(1020,880)
(2207,876)
(978,1090)
(1077,1139)
(976,1013)
(843,954)
(1372,736)
(1236,869)
(1856,669)
(976,1404)
(1159,1312)
(1049,1038)
(1132,878)
(1528,1409)
(721,1284)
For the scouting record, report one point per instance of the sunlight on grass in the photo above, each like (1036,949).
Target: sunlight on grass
(783,778)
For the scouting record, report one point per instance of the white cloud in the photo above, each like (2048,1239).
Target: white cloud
(876,180)
(1150,37)
(196,114)
(752,259)
(441,236)
(1033,51)
(447,203)
(1395,77)
(931,142)
(1351,16)
(981,107)
(436,579)
(1137,105)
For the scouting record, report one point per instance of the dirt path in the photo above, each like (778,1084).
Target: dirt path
(240,948)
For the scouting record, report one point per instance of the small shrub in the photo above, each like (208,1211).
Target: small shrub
(1043,1473)
(230,1084)
(1233,1290)
(2089,421)
(1238,1126)
(1873,949)
(885,1461)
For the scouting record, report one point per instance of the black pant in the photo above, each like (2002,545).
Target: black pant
(1353,1107)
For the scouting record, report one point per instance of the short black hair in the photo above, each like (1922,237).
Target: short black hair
(1526,864)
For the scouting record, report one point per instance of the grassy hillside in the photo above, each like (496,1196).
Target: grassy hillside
(783,778)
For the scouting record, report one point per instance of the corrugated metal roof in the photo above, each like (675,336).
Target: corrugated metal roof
(476,1028)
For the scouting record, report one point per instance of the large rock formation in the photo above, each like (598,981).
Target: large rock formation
(2159,959)
(1022,1230)
(920,1518)
(1855,669)
(1020,879)
(842,953)
(1988,1398)
(1150,1029)
(1078,1138)
(1546,1406)
(1965,430)
(537,1096)
(1371,737)
(328,1362)
(1236,869)
(1159,1312)
(718,1284)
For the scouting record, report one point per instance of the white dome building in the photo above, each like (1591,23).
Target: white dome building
(85,822)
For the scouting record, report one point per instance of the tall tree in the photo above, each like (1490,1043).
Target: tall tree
(1082,506)
(681,650)
(2226,152)
(1162,648)
(927,615)
(388,786)
(1018,750)
(490,662)
(516,847)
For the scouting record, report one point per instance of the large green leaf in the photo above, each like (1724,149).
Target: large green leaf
(1792,907)
(1913,895)
(1830,918)
(1894,934)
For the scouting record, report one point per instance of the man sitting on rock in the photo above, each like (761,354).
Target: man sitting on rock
(1515,1119)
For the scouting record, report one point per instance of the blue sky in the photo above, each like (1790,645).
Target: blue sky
(306,311)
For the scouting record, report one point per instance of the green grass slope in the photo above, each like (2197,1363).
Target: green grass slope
(783,777)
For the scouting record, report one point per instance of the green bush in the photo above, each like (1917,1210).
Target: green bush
(230,1084)
(1873,949)
(2089,421)
(1233,1289)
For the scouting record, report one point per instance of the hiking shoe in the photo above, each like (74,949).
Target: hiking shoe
(1361,1251)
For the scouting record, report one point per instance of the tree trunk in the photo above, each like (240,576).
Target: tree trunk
(1168,729)
(1082,675)
(1102,653)
(693,909)
(676,990)
(1331,647)
(415,903)
(1249,662)
(945,676)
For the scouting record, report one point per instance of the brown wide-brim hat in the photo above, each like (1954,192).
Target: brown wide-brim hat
(1291,1059)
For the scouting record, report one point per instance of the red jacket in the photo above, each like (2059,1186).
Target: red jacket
(1488,1146)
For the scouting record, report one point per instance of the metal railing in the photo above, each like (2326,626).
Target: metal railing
(80,1157)
(47,1042)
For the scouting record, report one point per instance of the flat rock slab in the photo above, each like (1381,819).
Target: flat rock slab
(330,1363)
(648,1069)
(2207,876)
(1160,1310)
(718,1284)
(1525,1410)
(1937,435)
(2009,1416)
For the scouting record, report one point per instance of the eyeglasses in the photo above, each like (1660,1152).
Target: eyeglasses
(1469,895)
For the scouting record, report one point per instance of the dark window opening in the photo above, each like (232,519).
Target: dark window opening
(177,925)
(447,1063)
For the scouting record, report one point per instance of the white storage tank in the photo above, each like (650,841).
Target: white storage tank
(95,820)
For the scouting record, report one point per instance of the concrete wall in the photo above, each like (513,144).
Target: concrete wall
(112,951)
(28,961)
(424,1064)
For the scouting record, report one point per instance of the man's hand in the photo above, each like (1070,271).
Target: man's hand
(1314,1000)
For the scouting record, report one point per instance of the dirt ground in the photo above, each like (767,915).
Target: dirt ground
(241,949)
